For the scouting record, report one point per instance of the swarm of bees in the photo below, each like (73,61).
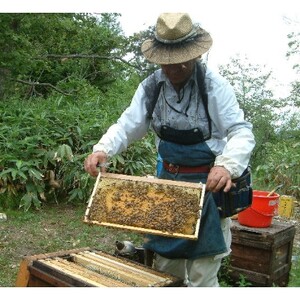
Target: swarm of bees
(157,206)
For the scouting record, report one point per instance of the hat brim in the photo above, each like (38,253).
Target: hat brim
(164,54)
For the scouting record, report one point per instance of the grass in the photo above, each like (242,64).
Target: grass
(295,272)
(54,228)
(61,227)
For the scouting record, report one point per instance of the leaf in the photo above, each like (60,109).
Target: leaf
(19,164)
(64,152)
(36,202)
(7,171)
(21,174)
(36,174)
(26,201)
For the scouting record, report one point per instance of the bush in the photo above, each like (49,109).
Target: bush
(44,143)
(281,166)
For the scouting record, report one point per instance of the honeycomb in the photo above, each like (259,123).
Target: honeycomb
(147,205)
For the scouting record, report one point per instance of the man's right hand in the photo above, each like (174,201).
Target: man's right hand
(95,160)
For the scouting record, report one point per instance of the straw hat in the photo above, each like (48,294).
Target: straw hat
(176,40)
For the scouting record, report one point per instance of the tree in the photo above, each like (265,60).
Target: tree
(275,122)
(255,98)
(294,52)
(135,41)
(41,52)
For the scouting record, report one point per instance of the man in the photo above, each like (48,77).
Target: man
(201,136)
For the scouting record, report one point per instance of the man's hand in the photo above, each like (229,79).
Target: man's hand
(94,160)
(217,179)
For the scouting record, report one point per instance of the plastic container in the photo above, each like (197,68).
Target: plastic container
(286,206)
(261,211)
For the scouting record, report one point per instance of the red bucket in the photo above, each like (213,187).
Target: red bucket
(261,211)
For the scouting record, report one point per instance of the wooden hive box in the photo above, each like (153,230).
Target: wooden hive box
(146,205)
(88,268)
(262,255)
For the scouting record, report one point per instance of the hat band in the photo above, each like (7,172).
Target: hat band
(191,35)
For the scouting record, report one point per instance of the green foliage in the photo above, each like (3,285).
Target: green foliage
(225,278)
(134,46)
(250,84)
(294,48)
(44,144)
(138,160)
(28,151)
(40,51)
(275,159)
(43,147)
(294,278)
(281,166)
(74,66)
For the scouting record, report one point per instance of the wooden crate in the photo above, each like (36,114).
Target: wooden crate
(88,268)
(146,205)
(262,255)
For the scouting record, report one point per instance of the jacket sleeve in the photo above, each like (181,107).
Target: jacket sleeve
(228,123)
(132,125)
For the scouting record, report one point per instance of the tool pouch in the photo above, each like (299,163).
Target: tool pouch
(238,198)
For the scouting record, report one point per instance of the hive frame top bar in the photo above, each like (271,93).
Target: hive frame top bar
(150,180)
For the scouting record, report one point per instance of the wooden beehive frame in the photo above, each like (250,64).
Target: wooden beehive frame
(146,205)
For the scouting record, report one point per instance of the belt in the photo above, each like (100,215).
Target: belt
(175,169)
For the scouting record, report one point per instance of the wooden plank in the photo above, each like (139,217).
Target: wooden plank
(284,269)
(38,278)
(37,282)
(57,270)
(258,259)
(280,257)
(247,258)
(23,274)
(61,253)
(133,270)
(150,180)
(169,280)
(282,281)
(145,230)
(146,205)
(258,279)
(118,264)
(265,238)
(108,269)
(81,275)
(255,278)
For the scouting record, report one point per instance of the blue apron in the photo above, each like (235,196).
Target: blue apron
(210,239)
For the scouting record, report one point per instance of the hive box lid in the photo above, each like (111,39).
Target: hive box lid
(146,205)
